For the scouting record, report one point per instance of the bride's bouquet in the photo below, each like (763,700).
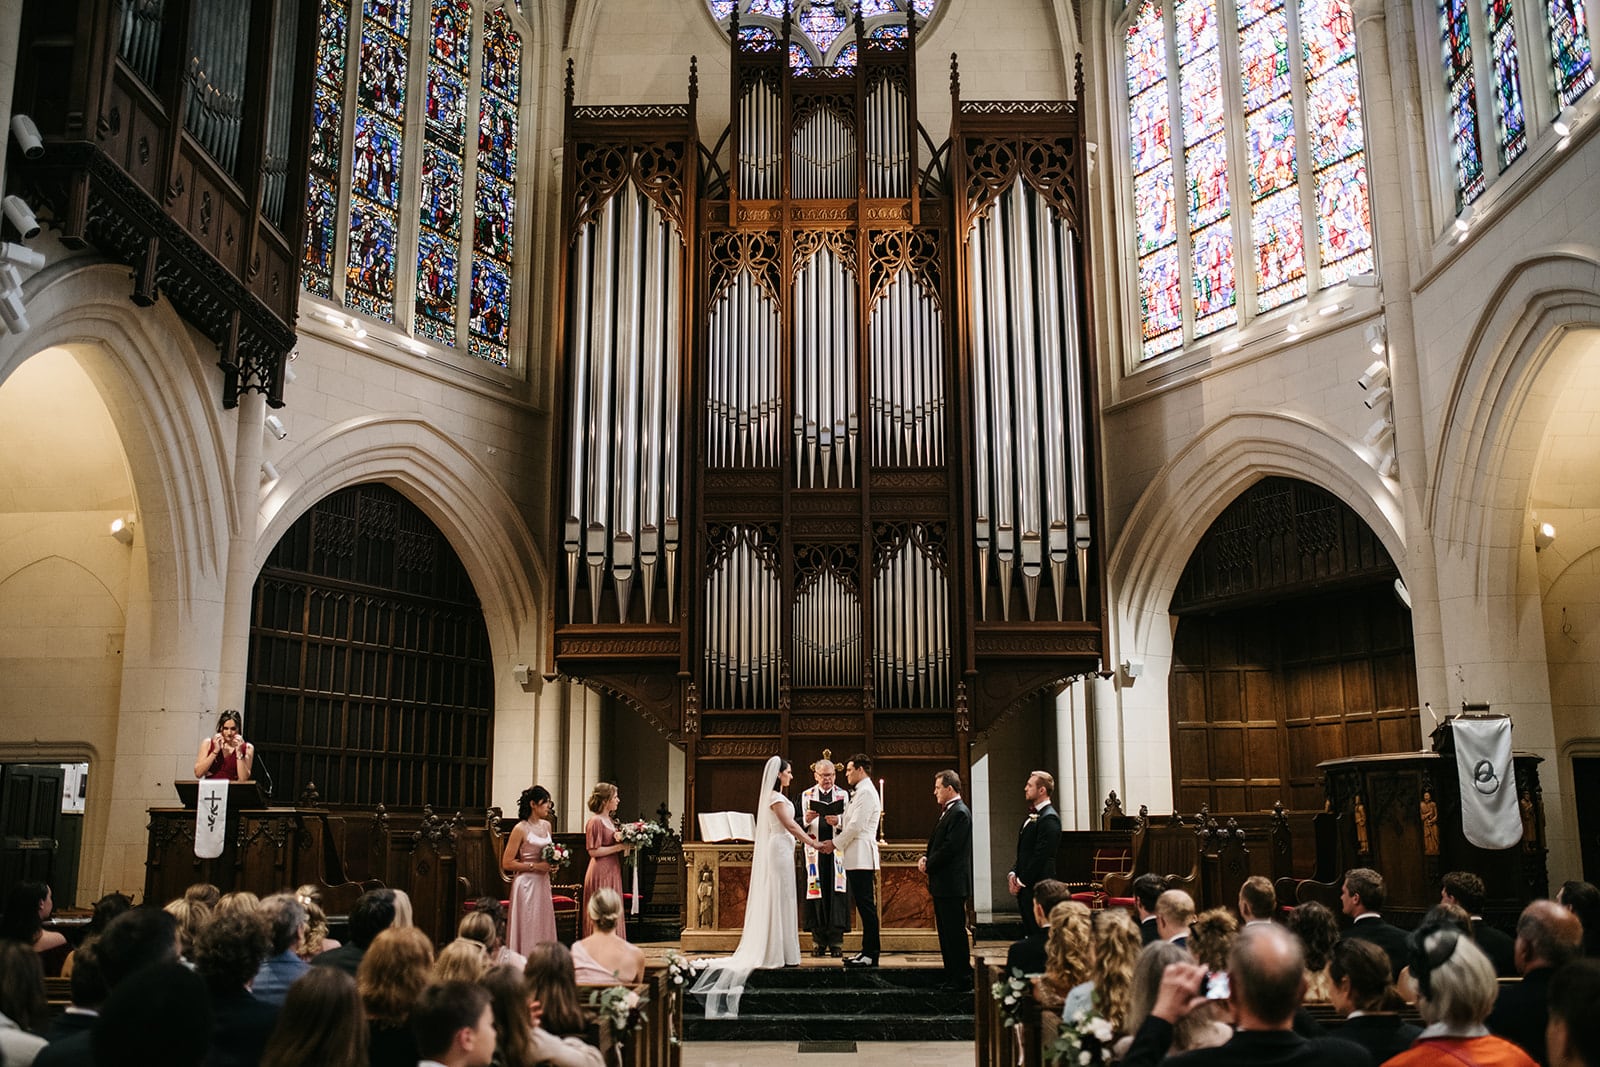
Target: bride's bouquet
(557,856)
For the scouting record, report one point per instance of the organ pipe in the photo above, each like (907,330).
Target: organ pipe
(742,400)
(888,145)
(823,157)
(826,416)
(906,368)
(742,625)
(911,653)
(760,169)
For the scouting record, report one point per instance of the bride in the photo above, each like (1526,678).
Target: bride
(771,935)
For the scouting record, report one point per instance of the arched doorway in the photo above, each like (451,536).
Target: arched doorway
(1291,647)
(369,671)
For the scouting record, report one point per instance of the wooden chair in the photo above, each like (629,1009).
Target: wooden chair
(1112,865)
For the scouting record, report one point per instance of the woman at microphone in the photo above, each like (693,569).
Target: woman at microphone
(225,754)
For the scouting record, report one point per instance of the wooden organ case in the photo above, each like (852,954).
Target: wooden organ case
(829,468)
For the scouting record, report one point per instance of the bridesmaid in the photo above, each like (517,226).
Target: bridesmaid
(533,915)
(605,864)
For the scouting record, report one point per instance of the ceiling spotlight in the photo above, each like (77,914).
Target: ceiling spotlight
(1294,327)
(1375,376)
(276,427)
(1402,593)
(269,473)
(21,216)
(27,135)
(1329,310)
(1463,222)
(1378,433)
(1565,122)
(1388,463)
(1231,346)
(122,529)
(21,255)
(1377,396)
(1377,339)
(1544,535)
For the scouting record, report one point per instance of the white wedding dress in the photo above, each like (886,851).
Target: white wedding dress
(771,935)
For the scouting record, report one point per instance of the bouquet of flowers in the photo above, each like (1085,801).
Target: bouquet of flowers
(642,835)
(1083,1040)
(681,970)
(620,1007)
(557,856)
(1013,993)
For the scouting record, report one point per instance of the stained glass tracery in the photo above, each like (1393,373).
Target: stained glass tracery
(1213,289)
(1570,51)
(1510,124)
(1338,155)
(822,32)
(375,158)
(327,107)
(444,143)
(494,210)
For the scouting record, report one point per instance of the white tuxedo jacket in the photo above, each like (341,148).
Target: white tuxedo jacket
(856,838)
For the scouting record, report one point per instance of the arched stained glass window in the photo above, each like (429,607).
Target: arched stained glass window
(1502,85)
(1270,148)
(392,176)
(822,32)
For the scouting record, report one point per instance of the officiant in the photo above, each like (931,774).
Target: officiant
(827,916)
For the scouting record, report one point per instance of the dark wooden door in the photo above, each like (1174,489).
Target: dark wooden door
(30,812)
(1586,791)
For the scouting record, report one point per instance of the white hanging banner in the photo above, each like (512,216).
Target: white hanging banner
(211,818)
(1489,814)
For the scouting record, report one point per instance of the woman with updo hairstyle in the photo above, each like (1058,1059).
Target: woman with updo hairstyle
(316,940)
(603,958)
(1318,930)
(1456,991)
(320,1023)
(192,918)
(1211,937)
(462,960)
(548,979)
(605,853)
(533,912)
(1362,992)
(391,978)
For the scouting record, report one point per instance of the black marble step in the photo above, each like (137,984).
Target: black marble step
(832,1003)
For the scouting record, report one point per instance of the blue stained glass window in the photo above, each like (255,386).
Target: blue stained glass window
(322,212)
(799,58)
(846,57)
(494,208)
(443,164)
(1512,128)
(1155,200)
(327,110)
(1460,86)
(822,32)
(1569,49)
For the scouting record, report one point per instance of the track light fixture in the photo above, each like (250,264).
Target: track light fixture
(21,256)
(1375,376)
(1377,339)
(1544,535)
(122,529)
(1376,396)
(269,473)
(276,427)
(27,135)
(20,215)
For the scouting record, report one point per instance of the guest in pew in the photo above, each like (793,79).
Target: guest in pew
(1548,936)
(1174,913)
(192,918)
(316,941)
(1455,993)
(1147,889)
(285,919)
(321,1023)
(158,1015)
(1438,915)
(1028,954)
(549,980)
(462,960)
(486,926)
(373,914)
(1583,900)
(1318,931)
(23,1007)
(1364,993)
(1466,890)
(28,905)
(403,916)
(533,912)
(1266,975)
(1258,901)
(1037,844)
(239,902)
(1066,954)
(105,909)
(520,1040)
(228,956)
(1211,937)
(1113,953)
(1199,1029)
(1361,895)
(605,851)
(88,994)
(603,958)
(453,1026)
(203,893)
(393,974)
(1572,1037)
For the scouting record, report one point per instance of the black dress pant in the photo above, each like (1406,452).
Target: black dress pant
(1025,906)
(950,919)
(860,884)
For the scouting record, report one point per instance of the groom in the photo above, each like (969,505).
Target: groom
(856,839)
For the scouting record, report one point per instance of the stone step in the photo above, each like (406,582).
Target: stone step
(819,1027)
(832,1003)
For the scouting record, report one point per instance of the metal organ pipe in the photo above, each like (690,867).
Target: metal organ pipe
(826,418)
(906,402)
(888,149)
(760,160)
(911,628)
(742,626)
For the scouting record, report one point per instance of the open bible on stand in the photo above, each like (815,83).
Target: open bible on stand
(727,826)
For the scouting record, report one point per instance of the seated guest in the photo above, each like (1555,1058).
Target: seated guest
(228,956)
(479,925)
(239,902)
(1317,930)
(105,909)
(402,909)
(316,941)
(1066,953)
(192,918)
(285,919)
(321,1023)
(453,1025)
(1258,901)
(1583,900)
(1548,936)
(1199,1029)
(158,1015)
(1147,889)
(1466,890)
(393,974)
(1266,975)
(28,905)
(1364,993)
(203,893)
(1174,913)
(141,938)
(603,958)
(1211,937)
(1361,897)
(462,960)
(1455,992)
(1027,955)
(372,915)
(23,1007)
(548,980)
(1573,1034)
(1114,947)
(88,994)
(519,1039)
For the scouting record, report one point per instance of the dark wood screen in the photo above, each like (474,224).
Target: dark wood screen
(369,661)
(1308,657)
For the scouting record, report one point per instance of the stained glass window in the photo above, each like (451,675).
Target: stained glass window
(1569,49)
(494,208)
(822,32)
(1510,125)
(444,142)
(375,178)
(1460,85)
(327,106)
(1272,145)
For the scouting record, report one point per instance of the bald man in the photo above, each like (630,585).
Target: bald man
(1548,936)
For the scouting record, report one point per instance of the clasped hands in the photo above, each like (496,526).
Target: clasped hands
(825,847)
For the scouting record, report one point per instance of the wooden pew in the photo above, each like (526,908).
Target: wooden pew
(657,1041)
(994,1044)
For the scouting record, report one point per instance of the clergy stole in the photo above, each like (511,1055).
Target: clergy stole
(813,874)
(210,818)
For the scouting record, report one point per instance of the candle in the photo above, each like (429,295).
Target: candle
(883,812)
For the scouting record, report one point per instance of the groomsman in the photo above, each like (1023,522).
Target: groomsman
(948,865)
(856,839)
(1036,846)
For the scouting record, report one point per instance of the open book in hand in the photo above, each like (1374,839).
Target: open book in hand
(826,807)
(727,826)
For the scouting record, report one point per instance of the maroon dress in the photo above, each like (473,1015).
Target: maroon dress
(603,870)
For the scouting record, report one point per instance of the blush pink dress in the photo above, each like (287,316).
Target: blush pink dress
(603,870)
(533,915)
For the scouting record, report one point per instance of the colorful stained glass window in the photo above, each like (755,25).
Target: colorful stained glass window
(442,179)
(1509,122)
(799,58)
(1461,88)
(494,207)
(822,32)
(327,107)
(846,58)
(1276,231)
(1205,165)
(375,157)
(1569,49)
(1338,147)
(1150,143)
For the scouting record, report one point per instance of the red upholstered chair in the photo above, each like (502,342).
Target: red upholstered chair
(1109,864)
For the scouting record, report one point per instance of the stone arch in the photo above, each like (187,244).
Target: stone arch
(1194,487)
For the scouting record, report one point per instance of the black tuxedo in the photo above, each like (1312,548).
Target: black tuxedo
(1028,955)
(1521,1011)
(1384,1034)
(1037,844)
(1393,940)
(1247,1048)
(949,863)
(1499,946)
(1148,931)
